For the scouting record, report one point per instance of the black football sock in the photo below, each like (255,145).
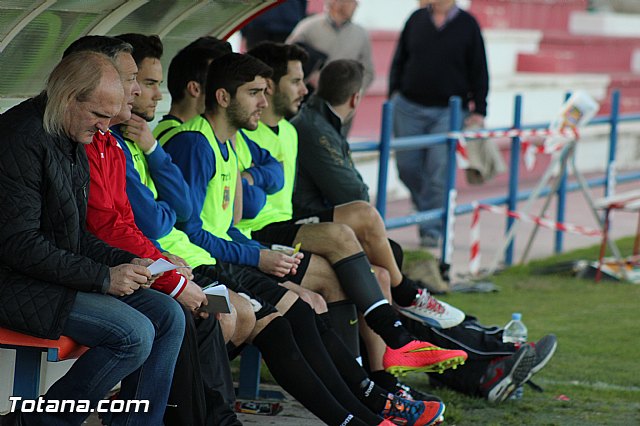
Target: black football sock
(361,286)
(343,318)
(398,254)
(353,374)
(290,369)
(358,280)
(386,380)
(384,322)
(405,292)
(303,323)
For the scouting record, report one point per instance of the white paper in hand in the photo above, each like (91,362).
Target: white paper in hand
(218,299)
(160,266)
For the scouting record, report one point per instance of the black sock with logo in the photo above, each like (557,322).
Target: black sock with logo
(372,395)
(291,370)
(343,318)
(404,293)
(384,322)
(305,330)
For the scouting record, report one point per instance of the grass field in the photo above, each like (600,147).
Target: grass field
(596,365)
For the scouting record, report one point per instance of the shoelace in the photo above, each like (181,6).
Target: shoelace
(400,407)
(430,304)
(401,392)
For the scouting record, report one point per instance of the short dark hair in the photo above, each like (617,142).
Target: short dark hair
(189,64)
(144,46)
(109,46)
(339,80)
(277,56)
(211,42)
(229,72)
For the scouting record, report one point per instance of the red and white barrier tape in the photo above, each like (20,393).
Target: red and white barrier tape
(529,149)
(474,257)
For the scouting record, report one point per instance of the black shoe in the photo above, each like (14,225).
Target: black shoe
(504,375)
(545,348)
(407,392)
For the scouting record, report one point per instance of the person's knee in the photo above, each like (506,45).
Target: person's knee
(245,319)
(371,223)
(228,323)
(344,238)
(136,342)
(322,279)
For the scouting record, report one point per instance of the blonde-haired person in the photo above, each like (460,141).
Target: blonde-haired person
(77,285)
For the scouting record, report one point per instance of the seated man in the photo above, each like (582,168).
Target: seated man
(200,154)
(152,184)
(326,176)
(188,399)
(273,224)
(198,131)
(77,285)
(185,82)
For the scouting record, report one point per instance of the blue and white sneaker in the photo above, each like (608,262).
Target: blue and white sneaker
(404,412)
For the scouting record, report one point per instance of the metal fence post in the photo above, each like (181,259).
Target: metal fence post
(561,203)
(385,152)
(514,171)
(455,125)
(610,179)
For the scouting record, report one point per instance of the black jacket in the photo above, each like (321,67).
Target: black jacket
(46,255)
(326,175)
(431,65)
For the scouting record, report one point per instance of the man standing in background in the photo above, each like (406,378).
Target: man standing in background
(334,34)
(440,54)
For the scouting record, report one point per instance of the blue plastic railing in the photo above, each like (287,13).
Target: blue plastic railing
(387,143)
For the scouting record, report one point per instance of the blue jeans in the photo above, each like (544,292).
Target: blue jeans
(135,339)
(423,171)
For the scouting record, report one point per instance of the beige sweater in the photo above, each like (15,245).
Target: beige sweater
(350,41)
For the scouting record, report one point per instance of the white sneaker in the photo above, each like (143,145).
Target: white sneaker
(432,312)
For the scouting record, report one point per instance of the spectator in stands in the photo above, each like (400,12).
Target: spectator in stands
(326,176)
(275,24)
(440,54)
(334,34)
(77,285)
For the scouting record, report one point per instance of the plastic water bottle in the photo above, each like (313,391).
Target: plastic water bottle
(515,332)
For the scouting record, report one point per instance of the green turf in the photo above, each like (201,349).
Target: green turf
(596,364)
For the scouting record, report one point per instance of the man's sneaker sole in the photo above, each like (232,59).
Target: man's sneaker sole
(438,367)
(519,374)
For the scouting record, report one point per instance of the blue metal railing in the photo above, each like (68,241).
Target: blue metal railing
(446,212)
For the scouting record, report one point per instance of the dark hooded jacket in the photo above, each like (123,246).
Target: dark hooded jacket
(46,255)
(326,174)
